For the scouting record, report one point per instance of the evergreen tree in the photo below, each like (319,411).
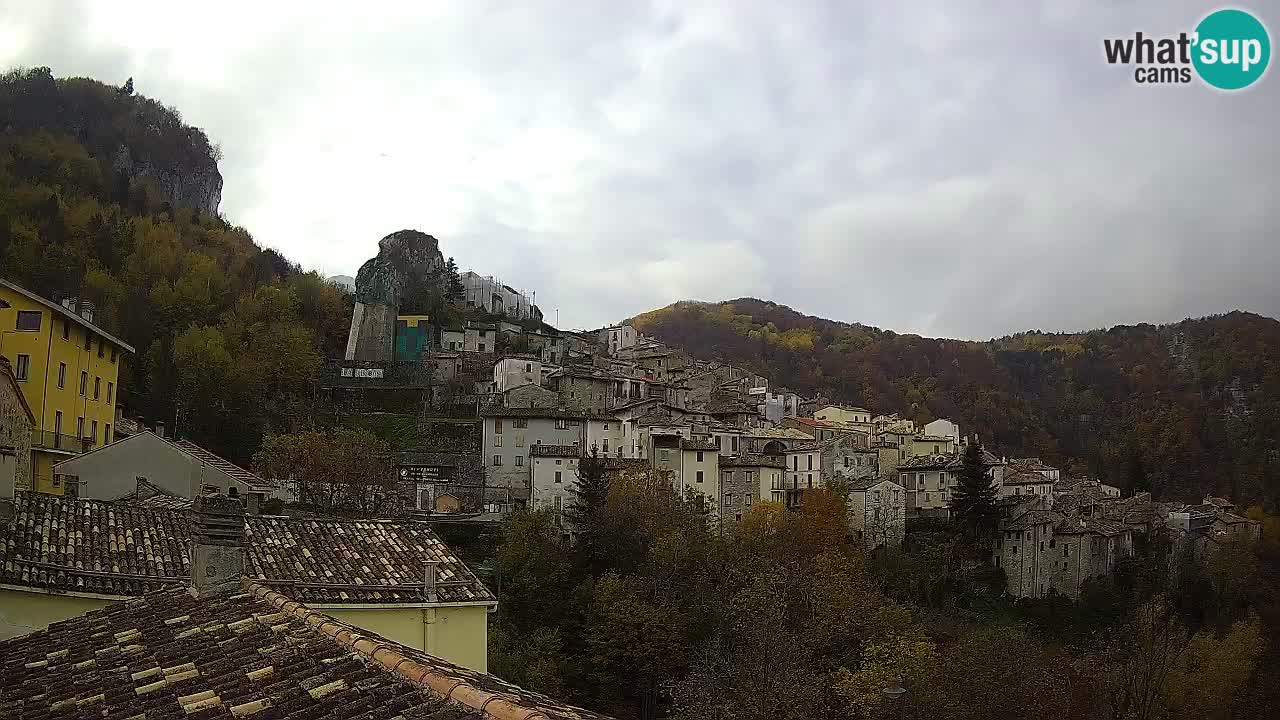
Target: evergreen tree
(974,501)
(455,290)
(586,510)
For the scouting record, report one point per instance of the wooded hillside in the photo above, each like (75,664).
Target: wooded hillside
(1190,408)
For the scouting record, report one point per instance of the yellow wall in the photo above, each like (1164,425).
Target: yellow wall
(24,612)
(47,350)
(457,634)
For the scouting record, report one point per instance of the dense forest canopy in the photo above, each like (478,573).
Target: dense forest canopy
(230,336)
(1194,405)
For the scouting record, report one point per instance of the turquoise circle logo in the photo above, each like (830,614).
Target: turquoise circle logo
(1232,49)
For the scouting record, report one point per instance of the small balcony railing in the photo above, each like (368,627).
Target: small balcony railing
(49,440)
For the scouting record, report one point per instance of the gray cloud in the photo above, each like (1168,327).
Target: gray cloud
(948,168)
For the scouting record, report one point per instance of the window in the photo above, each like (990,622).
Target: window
(558,474)
(606,426)
(106,436)
(562,424)
(88,341)
(57,424)
(810,477)
(877,494)
(519,441)
(734,441)
(84,382)
(66,329)
(497,441)
(699,456)
(528,367)
(1041,546)
(62,375)
(113,355)
(519,461)
(810,456)
(29,320)
(520,422)
(558,461)
(746,499)
(663,455)
(497,461)
(94,434)
(57,481)
(1052,541)
(1015,549)
(795,462)
(606,445)
(699,476)
(559,503)
(1066,551)
(24,367)
(877,514)
(80,427)
(97,388)
(100,349)
(728,500)
(497,425)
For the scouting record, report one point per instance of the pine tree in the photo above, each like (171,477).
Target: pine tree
(974,502)
(455,290)
(587,508)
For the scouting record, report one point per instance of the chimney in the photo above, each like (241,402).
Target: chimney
(217,545)
(160,428)
(429,585)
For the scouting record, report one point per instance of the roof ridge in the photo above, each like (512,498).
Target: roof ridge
(384,654)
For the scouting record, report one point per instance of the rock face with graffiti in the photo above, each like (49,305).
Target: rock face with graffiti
(407,268)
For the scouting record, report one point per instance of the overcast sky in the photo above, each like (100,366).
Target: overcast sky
(946,168)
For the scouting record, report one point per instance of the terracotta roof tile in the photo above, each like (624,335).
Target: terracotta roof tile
(127,550)
(170,655)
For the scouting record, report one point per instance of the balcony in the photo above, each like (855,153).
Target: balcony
(47,440)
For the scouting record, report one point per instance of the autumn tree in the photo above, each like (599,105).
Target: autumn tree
(343,471)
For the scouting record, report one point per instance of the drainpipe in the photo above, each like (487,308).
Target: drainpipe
(429,614)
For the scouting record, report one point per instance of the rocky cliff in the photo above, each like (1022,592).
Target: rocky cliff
(190,187)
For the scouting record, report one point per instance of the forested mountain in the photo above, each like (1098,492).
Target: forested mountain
(1188,408)
(108,196)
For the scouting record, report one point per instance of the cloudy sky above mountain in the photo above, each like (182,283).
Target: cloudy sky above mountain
(940,167)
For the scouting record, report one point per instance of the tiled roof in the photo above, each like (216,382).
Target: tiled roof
(1082,526)
(704,445)
(555,451)
(777,434)
(752,460)
(1023,475)
(1031,518)
(98,547)
(256,654)
(551,413)
(1233,519)
(148,494)
(806,446)
(617,463)
(934,438)
(928,462)
(222,464)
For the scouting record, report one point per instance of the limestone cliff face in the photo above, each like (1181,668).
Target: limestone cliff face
(199,188)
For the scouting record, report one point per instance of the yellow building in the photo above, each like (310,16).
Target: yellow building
(69,371)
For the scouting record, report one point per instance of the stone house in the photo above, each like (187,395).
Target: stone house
(849,457)
(878,512)
(745,480)
(16,424)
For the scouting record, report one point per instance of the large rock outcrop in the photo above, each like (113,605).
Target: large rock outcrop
(408,268)
(187,187)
